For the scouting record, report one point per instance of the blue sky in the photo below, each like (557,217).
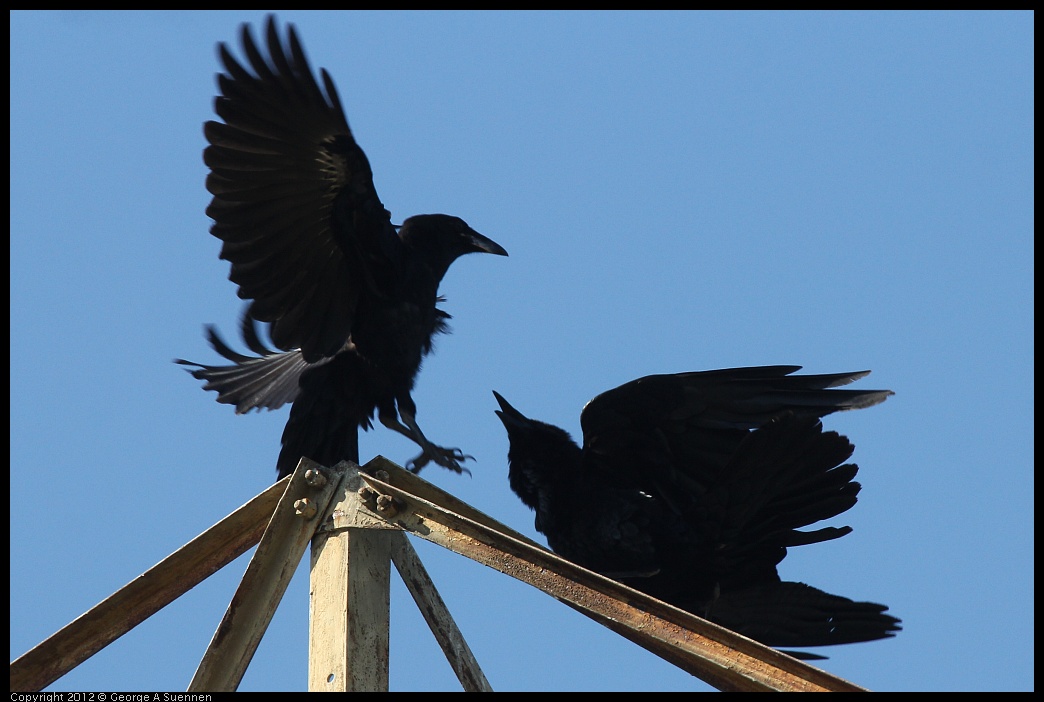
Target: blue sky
(677,191)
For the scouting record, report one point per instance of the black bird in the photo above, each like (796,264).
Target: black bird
(350,297)
(690,487)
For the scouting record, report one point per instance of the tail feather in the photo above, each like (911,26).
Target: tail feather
(267,381)
(791,614)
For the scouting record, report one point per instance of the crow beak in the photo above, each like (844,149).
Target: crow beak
(479,243)
(510,416)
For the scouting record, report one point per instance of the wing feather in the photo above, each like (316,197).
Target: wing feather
(293,196)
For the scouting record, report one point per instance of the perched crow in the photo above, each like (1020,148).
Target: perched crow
(690,487)
(350,297)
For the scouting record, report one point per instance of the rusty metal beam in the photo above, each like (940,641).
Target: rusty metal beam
(145,595)
(364,504)
(292,524)
(720,657)
(437,615)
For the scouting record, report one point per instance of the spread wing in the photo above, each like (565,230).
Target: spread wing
(294,201)
(698,420)
(737,456)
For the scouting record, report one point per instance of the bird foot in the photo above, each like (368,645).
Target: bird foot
(450,458)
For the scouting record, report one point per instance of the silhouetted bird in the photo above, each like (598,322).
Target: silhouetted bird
(350,297)
(690,487)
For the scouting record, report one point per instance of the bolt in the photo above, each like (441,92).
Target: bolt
(315,478)
(305,508)
(386,506)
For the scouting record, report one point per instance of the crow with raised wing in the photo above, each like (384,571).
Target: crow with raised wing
(690,487)
(349,297)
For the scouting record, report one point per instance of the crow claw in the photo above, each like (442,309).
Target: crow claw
(449,458)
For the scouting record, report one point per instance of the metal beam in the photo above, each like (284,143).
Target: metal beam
(272,566)
(437,615)
(720,657)
(145,595)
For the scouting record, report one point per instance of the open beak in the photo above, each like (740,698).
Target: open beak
(510,416)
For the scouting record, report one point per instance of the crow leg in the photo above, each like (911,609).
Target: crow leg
(446,457)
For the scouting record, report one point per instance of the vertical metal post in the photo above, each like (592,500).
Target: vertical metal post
(349,603)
